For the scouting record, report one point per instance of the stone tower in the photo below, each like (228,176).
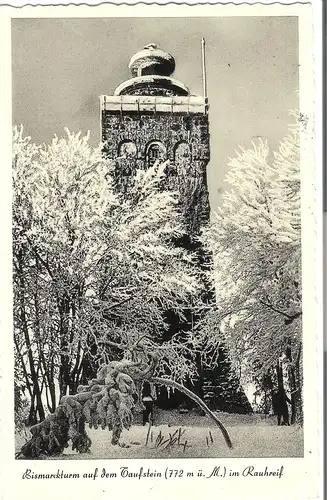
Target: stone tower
(153,117)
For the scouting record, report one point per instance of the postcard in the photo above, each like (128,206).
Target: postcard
(161,216)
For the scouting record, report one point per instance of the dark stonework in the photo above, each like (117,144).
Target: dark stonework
(170,130)
(185,139)
(160,88)
(134,140)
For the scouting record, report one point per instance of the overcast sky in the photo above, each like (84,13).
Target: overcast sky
(61,66)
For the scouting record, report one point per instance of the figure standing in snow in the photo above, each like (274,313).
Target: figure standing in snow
(279,402)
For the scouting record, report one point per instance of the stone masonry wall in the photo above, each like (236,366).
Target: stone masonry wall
(188,175)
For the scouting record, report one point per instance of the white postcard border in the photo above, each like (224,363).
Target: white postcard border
(301,478)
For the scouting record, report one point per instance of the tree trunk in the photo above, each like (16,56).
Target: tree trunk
(194,397)
(281,390)
(44,364)
(32,420)
(51,396)
(39,406)
(298,386)
(293,395)
(76,371)
(23,366)
(52,392)
(64,370)
(294,374)
(280,378)
(34,376)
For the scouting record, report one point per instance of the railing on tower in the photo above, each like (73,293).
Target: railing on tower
(177,104)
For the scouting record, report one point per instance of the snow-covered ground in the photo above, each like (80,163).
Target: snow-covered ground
(251,435)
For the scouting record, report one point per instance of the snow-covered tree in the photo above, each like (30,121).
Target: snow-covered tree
(255,237)
(93,272)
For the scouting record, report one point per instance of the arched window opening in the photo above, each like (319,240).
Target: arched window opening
(156,151)
(127,149)
(182,153)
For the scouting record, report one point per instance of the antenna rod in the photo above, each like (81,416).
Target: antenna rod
(204,71)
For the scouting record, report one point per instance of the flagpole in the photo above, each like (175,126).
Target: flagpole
(204,71)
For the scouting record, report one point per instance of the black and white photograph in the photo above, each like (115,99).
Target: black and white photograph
(159,241)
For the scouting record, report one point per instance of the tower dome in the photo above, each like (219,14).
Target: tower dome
(151,68)
(152,61)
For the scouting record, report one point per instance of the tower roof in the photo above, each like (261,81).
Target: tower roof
(152,61)
(151,68)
